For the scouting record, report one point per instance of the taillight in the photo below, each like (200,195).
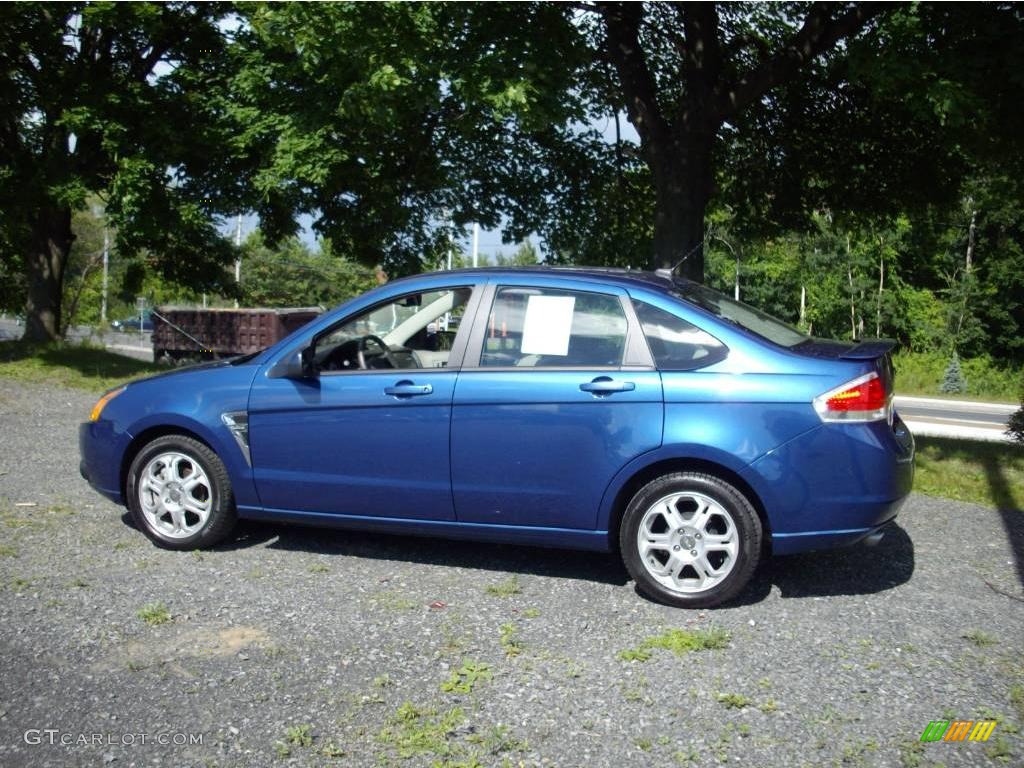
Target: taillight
(863,399)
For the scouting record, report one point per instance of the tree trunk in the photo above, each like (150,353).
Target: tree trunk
(682,189)
(44,272)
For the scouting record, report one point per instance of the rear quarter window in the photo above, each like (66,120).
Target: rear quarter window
(676,344)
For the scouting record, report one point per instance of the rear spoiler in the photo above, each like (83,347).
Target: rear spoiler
(869,350)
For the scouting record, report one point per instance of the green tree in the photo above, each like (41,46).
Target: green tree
(110,99)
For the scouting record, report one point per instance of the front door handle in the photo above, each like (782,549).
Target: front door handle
(408,389)
(603,385)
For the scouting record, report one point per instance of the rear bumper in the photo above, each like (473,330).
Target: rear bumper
(835,485)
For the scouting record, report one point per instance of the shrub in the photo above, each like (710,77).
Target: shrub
(1015,426)
(953,381)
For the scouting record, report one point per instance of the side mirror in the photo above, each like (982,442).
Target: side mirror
(307,361)
(300,365)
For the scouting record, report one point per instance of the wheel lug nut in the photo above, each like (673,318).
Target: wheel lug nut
(698,535)
(693,552)
(676,548)
(681,531)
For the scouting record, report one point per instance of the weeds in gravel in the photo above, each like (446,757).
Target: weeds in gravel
(1017,700)
(531,613)
(319,568)
(911,753)
(299,735)
(154,614)
(332,750)
(510,641)
(768,706)
(8,551)
(644,744)
(733,700)
(465,678)
(412,731)
(498,739)
(506,588)
(393,601)
(382,681)
(679,641)
(1000,749)
(979,638)
(18,584)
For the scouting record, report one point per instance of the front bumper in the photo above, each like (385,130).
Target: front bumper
(100,463)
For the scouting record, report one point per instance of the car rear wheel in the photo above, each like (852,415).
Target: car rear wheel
(690,540)
(179,493)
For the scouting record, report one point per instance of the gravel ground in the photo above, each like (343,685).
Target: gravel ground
(309,647)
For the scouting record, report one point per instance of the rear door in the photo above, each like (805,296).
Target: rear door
(557,393)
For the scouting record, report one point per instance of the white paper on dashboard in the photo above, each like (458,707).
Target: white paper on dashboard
(547,325)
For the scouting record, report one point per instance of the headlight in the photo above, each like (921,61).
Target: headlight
(102,403)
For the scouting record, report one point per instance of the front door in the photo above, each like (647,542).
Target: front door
(369,435)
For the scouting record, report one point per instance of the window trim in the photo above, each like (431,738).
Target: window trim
(635,354)
(456,355)
(712,359)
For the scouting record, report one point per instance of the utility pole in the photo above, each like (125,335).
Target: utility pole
(238,261)
(106,272)
(476,244)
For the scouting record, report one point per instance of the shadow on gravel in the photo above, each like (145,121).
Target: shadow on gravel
(566,564)
(856,570)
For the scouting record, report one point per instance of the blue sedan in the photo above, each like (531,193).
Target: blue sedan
(581,408)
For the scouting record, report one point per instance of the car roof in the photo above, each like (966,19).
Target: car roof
(662,279)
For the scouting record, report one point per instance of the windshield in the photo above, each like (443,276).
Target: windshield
(741,314)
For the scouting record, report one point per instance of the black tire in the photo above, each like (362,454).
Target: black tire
(737,509)
(222,516)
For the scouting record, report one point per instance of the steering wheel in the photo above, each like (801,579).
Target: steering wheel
(361,350)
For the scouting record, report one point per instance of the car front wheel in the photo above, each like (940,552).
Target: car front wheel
(179,493)
(690,540)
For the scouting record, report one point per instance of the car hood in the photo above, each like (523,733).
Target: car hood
(199,367)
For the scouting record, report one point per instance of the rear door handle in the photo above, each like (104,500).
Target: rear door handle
(408,389)
(603,385)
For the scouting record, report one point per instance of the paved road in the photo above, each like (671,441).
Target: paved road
(955,418)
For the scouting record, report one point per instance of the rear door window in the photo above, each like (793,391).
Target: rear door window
(676,344)
(545,328)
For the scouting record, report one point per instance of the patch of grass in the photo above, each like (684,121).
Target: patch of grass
(506,588)
(921,373)
(412,731)
(18,584)
(531,613)
(768,706)
(979,638)
(733,700)
(319,568)
(465,678)
(510,641)
(6,550)
(70,365)
(382,681)
(679,641)
(971,470)
(644,744)
(154,614)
